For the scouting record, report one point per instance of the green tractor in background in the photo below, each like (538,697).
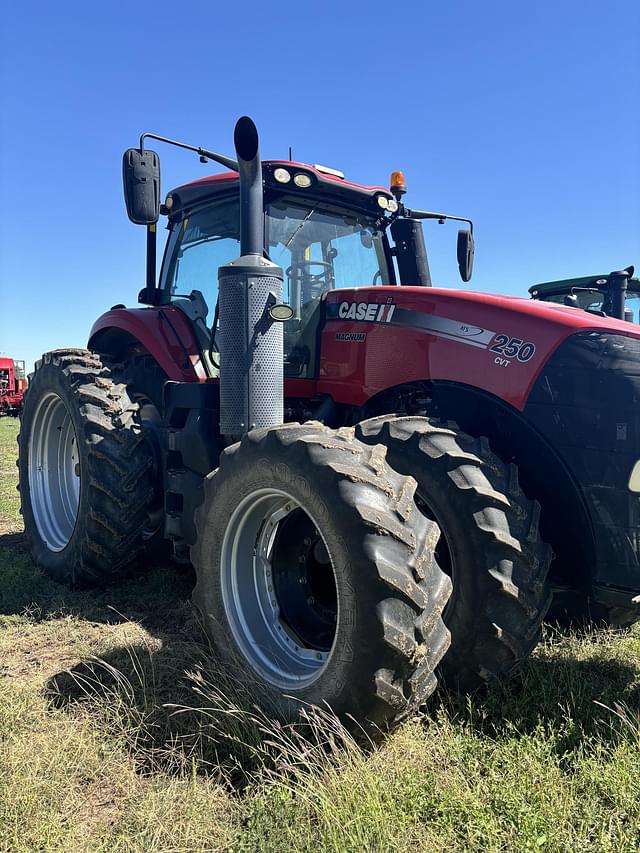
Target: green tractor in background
(614,295)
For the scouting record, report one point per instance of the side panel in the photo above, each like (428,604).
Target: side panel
(377,338)
(164,332)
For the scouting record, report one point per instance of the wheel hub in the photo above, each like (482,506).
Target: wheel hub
(303,581)
(278,589)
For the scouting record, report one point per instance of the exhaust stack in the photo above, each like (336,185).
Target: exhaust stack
(618,284)
(245,138)
(251,348)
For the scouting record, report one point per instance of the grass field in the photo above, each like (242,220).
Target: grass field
(116,735)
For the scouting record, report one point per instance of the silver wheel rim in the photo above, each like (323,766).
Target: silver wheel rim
(256,615)
(54,472)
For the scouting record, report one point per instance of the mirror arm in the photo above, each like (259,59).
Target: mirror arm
(150,294)
(152,237)
(426,214)
(229,162)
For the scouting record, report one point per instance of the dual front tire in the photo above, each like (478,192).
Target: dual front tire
(316,576)
(490,544)
(349,494)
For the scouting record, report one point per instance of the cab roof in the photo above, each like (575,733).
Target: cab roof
(324,185)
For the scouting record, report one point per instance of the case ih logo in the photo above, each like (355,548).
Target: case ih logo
(508,349)
(371,312)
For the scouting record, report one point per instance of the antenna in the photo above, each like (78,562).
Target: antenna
(290,155)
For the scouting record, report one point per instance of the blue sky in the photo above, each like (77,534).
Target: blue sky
(522,116)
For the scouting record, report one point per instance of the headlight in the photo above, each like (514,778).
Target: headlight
(302,180)
(282,176)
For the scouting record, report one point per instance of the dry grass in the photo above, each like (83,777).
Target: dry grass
(118,734)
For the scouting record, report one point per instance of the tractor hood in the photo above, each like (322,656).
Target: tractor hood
(436,300)
(381,337)
(550,312)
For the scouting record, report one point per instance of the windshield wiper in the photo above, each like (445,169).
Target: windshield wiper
(302,224)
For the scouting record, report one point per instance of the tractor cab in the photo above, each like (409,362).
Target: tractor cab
(595,294)
(324,232)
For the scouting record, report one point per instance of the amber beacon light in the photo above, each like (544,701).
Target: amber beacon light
(398,185)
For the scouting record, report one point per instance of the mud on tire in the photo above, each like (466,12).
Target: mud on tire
(78,419)
(376,661)
(490,544)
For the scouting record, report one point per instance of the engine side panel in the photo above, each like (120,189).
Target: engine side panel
(377,338)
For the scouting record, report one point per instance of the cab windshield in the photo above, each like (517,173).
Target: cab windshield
(319,248)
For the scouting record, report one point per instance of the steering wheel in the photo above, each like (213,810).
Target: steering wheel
(377,276)
(312,285)
(307,266)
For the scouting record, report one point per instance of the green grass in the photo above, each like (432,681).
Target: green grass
(9,504)
(118,734)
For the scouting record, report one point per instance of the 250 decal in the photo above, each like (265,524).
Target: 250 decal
(509,347)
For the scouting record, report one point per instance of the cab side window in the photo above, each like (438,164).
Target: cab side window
(207,239)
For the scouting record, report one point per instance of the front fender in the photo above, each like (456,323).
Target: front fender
(163,331)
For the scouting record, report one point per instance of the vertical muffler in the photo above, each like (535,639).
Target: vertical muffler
(250,341)
(618,284)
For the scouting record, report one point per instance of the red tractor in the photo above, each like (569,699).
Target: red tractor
(12,386)
(362,468)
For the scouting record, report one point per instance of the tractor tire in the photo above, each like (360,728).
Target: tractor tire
(145,381)
(490,545)
(316,580)
(85,465)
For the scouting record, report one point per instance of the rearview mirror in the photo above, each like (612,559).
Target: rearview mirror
(141,182)
(466,250)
